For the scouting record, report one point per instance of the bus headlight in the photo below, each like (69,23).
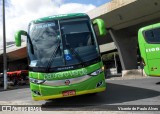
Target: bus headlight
(36,81)
(96,72)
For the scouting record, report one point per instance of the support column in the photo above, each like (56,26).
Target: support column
(127,48)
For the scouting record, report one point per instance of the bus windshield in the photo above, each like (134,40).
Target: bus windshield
(62,43)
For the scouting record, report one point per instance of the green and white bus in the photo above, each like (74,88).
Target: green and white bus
(149,45)
(64,57)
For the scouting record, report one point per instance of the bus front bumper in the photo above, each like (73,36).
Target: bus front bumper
(61,96)
(92,85)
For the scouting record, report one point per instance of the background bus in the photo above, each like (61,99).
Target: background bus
(149,44)
(64,56)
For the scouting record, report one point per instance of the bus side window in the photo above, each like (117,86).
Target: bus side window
(156,33)
(153,36)
(149,36)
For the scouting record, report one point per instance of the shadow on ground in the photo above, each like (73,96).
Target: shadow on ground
(158,83)
(114,94)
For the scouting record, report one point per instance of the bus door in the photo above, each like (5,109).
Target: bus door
(152,50)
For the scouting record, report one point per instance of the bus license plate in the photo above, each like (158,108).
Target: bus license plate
(69,93)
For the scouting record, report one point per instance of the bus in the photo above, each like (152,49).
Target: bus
(149,45)
(64,56)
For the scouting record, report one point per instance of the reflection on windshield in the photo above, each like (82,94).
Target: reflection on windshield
(45,38)
(76,40)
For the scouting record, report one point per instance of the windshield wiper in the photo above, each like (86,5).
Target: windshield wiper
(75,53)
(53,56)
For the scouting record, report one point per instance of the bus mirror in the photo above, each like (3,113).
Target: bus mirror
(18,37)
(101,26)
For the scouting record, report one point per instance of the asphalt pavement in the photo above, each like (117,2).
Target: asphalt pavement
(128,92)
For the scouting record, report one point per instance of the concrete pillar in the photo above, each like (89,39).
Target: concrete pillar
(127,48)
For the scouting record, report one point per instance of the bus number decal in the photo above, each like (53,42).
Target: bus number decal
(152,49)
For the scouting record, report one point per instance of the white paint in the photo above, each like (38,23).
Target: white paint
(152,49)
(66,74)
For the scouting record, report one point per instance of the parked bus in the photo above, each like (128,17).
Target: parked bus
(64,56)
(149,45)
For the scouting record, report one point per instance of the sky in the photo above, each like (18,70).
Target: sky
(20,12)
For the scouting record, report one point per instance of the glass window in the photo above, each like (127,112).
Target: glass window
(153,36)
(78,40)
(46,44)
(67,42)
